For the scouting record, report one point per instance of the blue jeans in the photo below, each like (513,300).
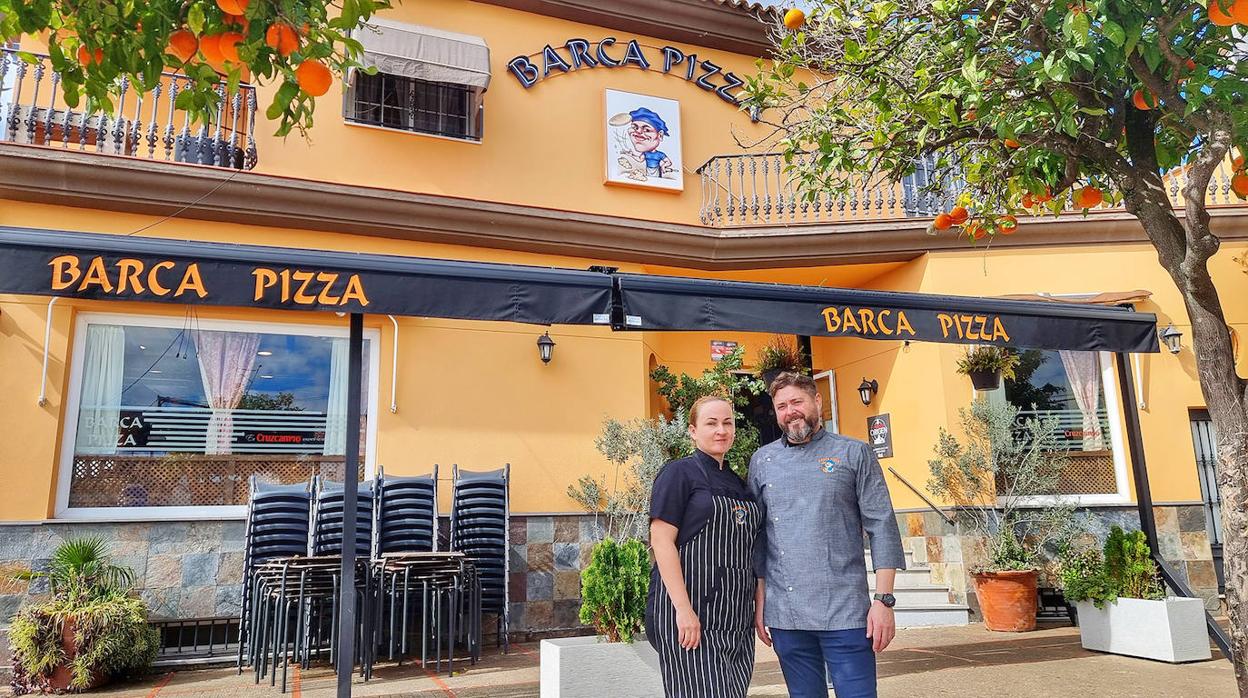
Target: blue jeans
(846,654)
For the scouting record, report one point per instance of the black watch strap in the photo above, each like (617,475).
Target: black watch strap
(887,599)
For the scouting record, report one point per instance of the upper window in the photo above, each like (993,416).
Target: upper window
(426,80)
(184,415)
(409,104)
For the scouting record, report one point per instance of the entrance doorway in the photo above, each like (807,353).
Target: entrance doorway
(762,415)
(1206,444)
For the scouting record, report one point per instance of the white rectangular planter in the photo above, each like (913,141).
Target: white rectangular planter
(580,667)
(1170,630)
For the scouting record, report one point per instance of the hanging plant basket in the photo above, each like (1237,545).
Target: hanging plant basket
(985,380)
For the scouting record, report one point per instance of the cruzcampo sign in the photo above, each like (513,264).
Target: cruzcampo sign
(581,54)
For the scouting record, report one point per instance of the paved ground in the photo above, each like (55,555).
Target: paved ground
(962,661)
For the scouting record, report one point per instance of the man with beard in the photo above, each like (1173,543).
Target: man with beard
(819,493)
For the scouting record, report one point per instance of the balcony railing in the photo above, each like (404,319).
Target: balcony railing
(760,189)
(142,125)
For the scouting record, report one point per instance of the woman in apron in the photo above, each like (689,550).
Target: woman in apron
(703,521)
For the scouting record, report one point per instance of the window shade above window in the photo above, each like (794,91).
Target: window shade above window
(423,53)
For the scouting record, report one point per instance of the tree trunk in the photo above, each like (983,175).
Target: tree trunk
(1222,388)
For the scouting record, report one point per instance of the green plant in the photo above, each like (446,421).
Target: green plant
(1129,564)
(781,354)
(989,359)
(722,379)
(91,595)
(993,478)
(614,587)
(1125,569)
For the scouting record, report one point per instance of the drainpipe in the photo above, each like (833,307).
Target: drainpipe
(394,368)
(47,339)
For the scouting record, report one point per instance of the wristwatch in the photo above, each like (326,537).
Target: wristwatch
(887,599)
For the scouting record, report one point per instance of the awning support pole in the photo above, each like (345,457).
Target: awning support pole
(345,660)
(1144,498)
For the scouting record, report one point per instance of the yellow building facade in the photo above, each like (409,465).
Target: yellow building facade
(526,169)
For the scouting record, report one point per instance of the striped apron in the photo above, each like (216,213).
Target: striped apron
(719,575)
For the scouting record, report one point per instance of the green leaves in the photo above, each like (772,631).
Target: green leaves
(614,588)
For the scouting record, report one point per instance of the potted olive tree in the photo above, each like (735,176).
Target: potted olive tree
(91,629)
(1002,477)
(987,365)
(1123,608)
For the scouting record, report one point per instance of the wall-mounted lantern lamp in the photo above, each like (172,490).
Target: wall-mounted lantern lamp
(545,347)
(1172,338)
(866,389)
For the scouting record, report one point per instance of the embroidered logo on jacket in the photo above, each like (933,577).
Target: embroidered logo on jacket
(739,513)
(828,465)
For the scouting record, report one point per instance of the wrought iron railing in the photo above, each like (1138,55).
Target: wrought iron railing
(761,189)
(142,125)
(196,638)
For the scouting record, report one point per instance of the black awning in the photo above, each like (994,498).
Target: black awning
(119,267)
(675,303)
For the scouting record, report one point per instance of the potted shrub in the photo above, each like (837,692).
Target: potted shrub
(992,477)
(780,354)
(93,627)
(613,601)
(987,365)
(1123,608)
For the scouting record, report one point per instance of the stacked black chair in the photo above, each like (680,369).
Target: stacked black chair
(480,528)
(276,528)
(326,536)
(406,514)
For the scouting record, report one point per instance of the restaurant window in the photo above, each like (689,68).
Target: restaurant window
(1070,387)
(409,104)
(182,414)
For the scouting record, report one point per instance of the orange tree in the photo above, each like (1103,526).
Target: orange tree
(95,44)
(1040,104)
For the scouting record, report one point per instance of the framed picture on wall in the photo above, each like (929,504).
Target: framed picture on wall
(642,136)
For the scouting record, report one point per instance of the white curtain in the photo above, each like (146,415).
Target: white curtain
(336,409)
(100,401)
(225,363)
(1084,373)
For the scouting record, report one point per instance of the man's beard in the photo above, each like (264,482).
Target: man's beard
(799,430)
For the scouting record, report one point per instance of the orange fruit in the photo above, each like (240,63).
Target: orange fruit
(1189,64)
(1028,201)
(313,77)
(943,221)
(970,115)
(210,47)
(1007,224)
(1218,16)
(233,7)
(183,45)
(1237,165)
(1044,197)
(228,43)
(87,57)
(1089,197)
(794,19)
(975,231)
(1144,100)
(238,21)
(958,215)
(1011,143)
(1239,185)
(282,38)
(1239,11)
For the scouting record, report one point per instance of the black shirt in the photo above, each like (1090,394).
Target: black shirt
(683,489)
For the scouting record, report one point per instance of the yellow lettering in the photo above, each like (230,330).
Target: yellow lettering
(903,323)
(998,330)
(328,279)
(128,271)
(191,281)
(355,291)
(868,320)
(964,325)
(303,277)
(285,285)
(971,331)
(880,317)
(848,320)
(153,283)
(945,323)
(265,278)
(832,319)
(96,274)
(62,267)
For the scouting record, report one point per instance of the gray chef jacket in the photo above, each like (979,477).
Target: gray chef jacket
(817,500)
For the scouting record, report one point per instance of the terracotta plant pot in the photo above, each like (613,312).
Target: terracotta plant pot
(985,380)
(62,675)
(1007,600)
